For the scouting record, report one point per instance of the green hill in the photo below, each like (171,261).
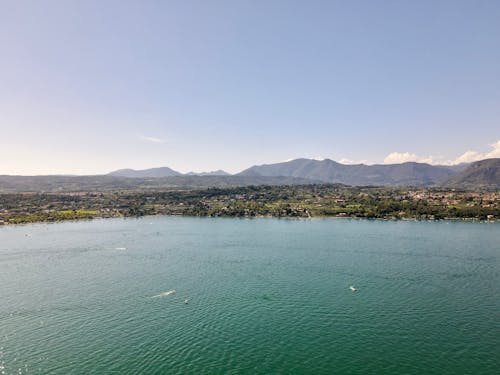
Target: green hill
(484,174)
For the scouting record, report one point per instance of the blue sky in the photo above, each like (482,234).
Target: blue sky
(92,86)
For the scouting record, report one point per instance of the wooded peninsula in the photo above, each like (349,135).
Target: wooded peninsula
(321,200)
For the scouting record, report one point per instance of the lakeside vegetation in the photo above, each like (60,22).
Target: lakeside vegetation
(325,200)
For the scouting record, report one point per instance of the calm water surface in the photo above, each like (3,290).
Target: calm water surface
(267,296)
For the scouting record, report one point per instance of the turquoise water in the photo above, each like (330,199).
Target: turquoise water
(266,296)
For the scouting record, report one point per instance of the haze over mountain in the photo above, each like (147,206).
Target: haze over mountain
(483,174)
(162,172)
(218,172)
(404,174)
(145,173)
(409,173)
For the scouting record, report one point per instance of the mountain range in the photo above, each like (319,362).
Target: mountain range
(484,174)
(162,172)
(405,174)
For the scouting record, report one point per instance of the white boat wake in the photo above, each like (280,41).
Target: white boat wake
(164,294)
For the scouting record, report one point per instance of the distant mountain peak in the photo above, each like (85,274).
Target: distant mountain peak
(145,173)
(162,172)
(218,172)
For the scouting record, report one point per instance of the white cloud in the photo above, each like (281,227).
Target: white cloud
(496,150)
(152,139)
(350,161)
(400,157)
(403,157)
(318,158)
(466,157)
(470,156)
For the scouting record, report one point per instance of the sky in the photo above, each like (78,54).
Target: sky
(87,87)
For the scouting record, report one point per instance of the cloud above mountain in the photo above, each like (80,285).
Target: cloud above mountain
(403,157)
(350,161)
(467,157)
(470,156)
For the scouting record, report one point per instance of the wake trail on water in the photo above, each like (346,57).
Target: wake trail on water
(164,294)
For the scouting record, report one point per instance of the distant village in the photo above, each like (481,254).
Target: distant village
(256,201)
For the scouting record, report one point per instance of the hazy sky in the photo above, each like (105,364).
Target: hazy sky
(92,86)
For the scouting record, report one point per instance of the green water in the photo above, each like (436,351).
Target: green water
(267,296)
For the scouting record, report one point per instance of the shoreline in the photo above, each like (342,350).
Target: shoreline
(323,217)
(308,201)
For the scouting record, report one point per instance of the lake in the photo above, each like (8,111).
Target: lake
(264,296)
